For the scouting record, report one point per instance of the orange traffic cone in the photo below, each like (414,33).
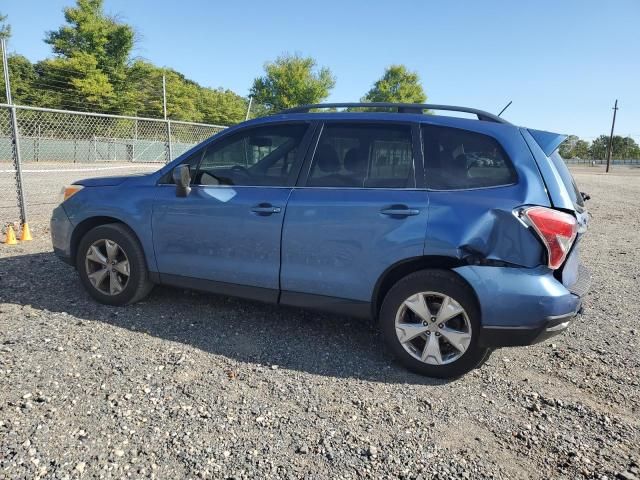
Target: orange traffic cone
(11,236)
(26,233)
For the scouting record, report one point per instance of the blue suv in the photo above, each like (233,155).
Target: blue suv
(458,235)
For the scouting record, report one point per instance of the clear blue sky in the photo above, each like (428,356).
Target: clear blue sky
(562,62)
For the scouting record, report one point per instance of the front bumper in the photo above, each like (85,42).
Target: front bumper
(522,306)
(61,231)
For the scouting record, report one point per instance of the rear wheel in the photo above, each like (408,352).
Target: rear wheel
(431,322)
(112,266)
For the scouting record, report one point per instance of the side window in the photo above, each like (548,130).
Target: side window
(364,156)
(261,156)
(459,159)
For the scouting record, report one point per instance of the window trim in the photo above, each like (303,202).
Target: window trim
(416,150)
(425,126)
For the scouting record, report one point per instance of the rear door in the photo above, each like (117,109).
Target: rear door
(359,207)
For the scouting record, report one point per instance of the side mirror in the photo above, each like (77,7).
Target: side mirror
(182,179)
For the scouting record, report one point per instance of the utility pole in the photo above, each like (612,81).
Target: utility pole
(164,110)
(17,161)
(164,96)
(613,124)
(248,108)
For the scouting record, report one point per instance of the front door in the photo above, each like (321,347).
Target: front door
(227,231)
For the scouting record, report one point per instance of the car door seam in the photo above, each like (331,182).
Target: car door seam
(284,218)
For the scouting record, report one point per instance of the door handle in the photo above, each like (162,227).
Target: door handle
(399,211)
(265,209)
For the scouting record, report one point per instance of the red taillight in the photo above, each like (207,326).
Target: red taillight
(557,230)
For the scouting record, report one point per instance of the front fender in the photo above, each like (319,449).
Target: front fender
(131,206)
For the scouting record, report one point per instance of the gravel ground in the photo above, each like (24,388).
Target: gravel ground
(201,386)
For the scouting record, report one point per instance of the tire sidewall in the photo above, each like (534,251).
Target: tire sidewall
(137,267)
(449,284)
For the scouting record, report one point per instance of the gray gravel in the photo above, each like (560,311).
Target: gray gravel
(201,386)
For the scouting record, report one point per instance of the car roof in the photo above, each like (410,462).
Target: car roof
(387,112)
(416,108)
(444,120)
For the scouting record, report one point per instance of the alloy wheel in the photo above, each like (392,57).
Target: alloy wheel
(107,267)
(433,328)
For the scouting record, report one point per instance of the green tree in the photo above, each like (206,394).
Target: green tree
(22,74)
(566,147)
(581,149)
(92,70)
(92,53)
(186,100)
(623,148)
(598,148)
(574,147)
(292,80)
(223,107)
(5,28)
(398,84)
(90,31)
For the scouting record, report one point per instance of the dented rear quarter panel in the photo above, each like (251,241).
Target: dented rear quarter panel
(478,224)
(478,227)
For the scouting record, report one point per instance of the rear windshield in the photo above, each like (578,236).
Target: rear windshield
(567,179)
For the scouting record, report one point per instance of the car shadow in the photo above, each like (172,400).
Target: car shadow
(242,330)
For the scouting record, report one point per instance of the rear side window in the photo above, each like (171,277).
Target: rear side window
(363,156)
(458,159)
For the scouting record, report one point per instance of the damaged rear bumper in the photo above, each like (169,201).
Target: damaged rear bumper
(514,336)
(522,306)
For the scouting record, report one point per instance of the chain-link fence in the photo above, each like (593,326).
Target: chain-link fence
(58,147)
(592,162)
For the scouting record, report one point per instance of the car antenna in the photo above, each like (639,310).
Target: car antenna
(506,106)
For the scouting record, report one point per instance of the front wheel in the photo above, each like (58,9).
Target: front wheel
(112,266)
(431,322)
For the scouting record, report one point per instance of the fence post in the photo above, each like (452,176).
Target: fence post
(135,140)
(169,146)
(164,111)
(38,144)
(17,163)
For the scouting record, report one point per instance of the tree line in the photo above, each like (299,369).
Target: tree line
(623,148)
(92,69)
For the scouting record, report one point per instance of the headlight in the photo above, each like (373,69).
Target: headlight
(70,191)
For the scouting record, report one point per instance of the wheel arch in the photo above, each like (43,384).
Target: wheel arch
(88,224)
(408,266)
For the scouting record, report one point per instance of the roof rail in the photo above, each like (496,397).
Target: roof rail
(418,108)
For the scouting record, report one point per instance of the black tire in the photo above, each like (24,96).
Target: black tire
(138,285)
(446,283)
